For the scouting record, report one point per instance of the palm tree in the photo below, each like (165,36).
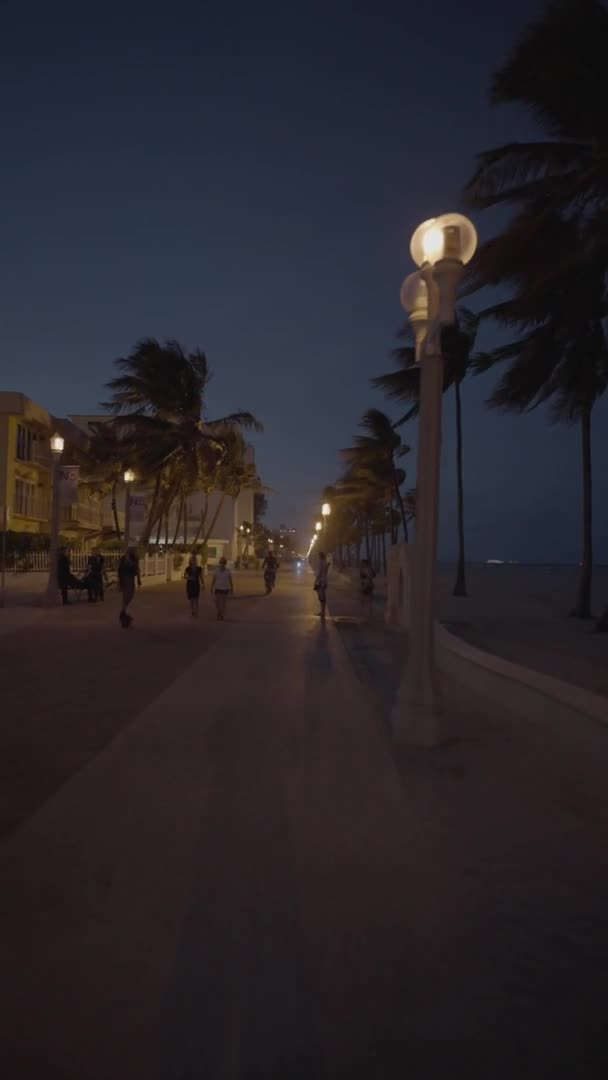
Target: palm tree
(377,451)
(559,356)
(557,70)
(107,458)
(458,344)
(158,405)
(554,252)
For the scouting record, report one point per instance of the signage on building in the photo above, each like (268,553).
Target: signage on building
(68,484)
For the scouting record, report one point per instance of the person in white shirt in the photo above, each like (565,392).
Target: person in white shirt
(221,585)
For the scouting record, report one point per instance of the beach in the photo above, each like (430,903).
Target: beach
(521,612)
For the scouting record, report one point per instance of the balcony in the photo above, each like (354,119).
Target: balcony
(41,454)
(84,515)
(33,508)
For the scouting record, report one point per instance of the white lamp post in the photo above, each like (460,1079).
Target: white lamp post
(325,511)
(441,247)
(52,589)
(128,477)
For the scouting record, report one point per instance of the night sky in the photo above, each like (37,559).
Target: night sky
(246,178)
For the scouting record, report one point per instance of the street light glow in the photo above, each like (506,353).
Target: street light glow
(450,236)
(326,509)
(57,443)
(318,526)
(129,476)
(432,244)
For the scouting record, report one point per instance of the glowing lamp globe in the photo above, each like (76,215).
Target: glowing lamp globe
(129,476)
(57,444)
(450,236)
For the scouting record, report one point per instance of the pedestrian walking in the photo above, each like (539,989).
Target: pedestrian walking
(221,586)
(65,578)
(320,585)
(194,583)
(366,587)
(94,579)
(128,574)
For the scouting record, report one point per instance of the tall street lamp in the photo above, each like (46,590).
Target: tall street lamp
(52,589)
(325,511)
(440,247)
(128,477)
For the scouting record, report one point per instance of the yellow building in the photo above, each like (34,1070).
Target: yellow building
(26,470)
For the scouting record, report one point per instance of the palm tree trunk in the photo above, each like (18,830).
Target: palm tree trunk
(384,552)
(180,511)
(145,537)
(460,585)
(115,512)
(583,600)
(214,519)
(201,524)
(368,554)
(186,524)
(401,509)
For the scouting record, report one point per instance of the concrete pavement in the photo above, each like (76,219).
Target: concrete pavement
(243,878)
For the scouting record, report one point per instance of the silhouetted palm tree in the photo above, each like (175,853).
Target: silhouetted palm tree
(378,451)
(158,404)
(457,343)
(554,252)
(557,70)
(559,356)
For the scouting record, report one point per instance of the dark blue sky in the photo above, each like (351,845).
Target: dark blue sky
(246,178)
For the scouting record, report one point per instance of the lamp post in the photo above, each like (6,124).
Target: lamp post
(128,477)
(318,527)
(52,589)
(325,511)
(440,247)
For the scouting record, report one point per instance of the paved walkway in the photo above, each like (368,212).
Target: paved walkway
(236,874)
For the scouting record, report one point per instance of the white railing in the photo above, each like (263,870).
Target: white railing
(38,562)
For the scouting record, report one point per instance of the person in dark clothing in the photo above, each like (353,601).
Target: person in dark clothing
(64,573)
(128,574)
(95,572)
(194,583)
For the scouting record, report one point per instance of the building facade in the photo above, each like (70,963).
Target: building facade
(26,471)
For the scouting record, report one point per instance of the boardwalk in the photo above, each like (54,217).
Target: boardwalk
(215,863)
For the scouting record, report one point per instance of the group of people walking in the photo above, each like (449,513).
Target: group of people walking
(221,586)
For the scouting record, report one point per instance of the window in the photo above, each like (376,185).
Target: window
(212,552)
(24,443)
(25,497)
